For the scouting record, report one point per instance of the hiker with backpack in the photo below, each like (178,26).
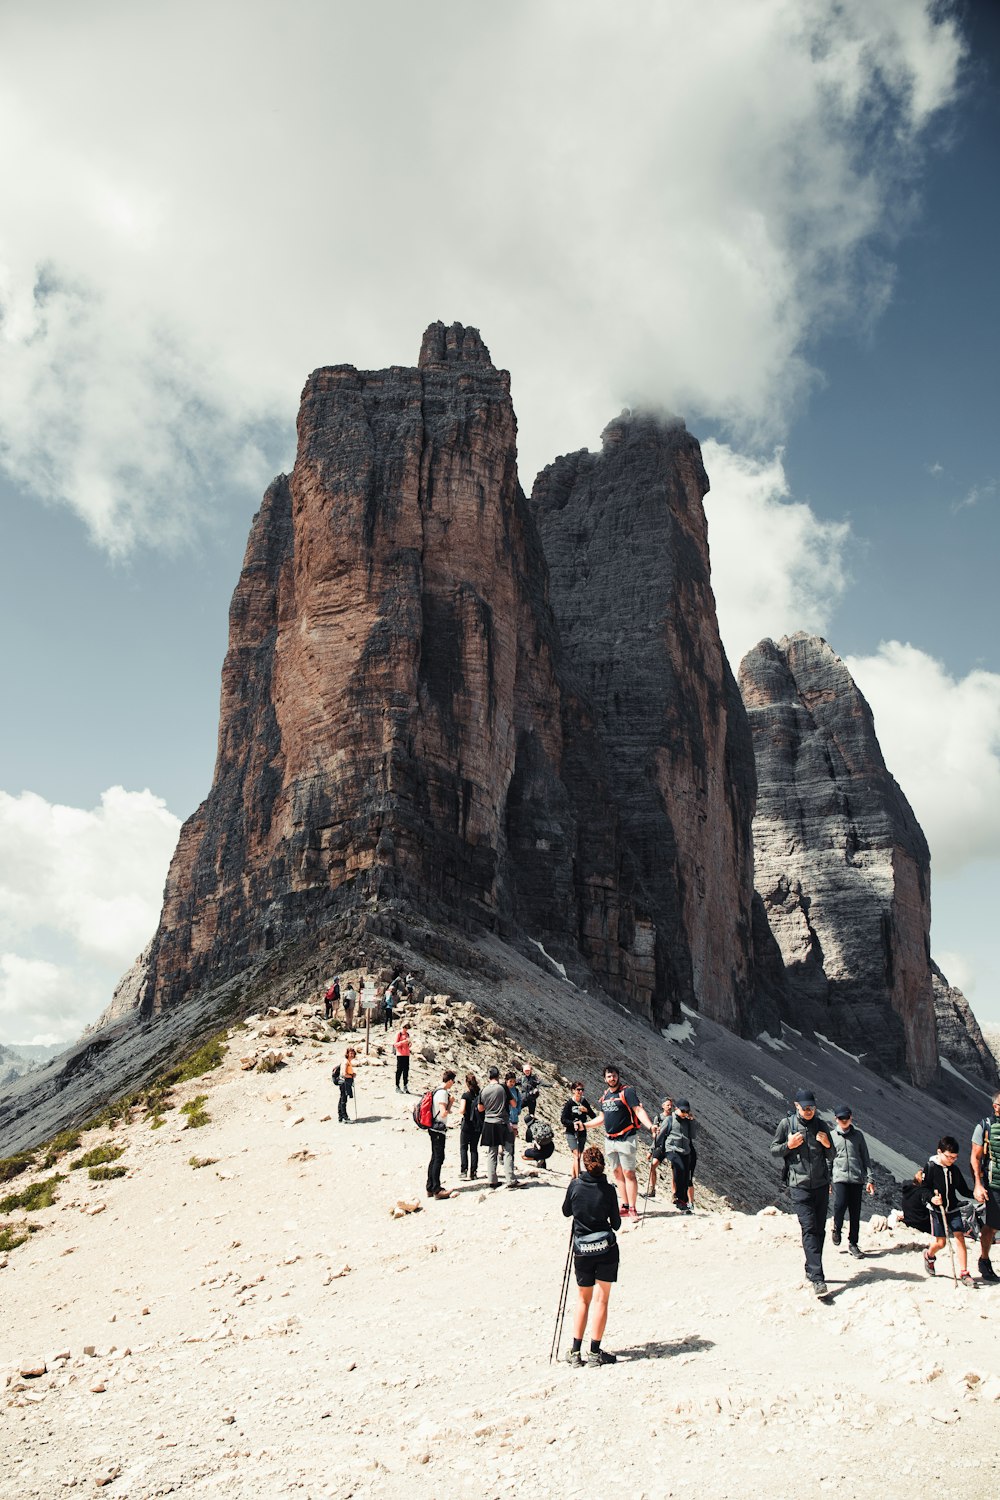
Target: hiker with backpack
(657,1156)
(943,1187)
(986,1171)
(344,1077)
(542,1144)
(350,996)
(573,1119)
(388,1001)
(437,1103)
(471,1128)
(802,1143)
(401,1047)
(852,1176)
(621,1112)
(331,999)
(592,1204)
(528,1086)
(675,1144)
(914,1211)
(494,1106)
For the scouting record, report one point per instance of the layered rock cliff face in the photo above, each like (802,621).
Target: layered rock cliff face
(625,539)
(393,726)
(841,863)
(960,1040)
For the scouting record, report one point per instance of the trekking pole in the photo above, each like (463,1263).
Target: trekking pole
(561,1310)
(354,1096)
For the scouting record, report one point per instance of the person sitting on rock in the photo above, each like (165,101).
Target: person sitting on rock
(943,1186)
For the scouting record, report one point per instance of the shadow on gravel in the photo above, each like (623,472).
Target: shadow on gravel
(867,1278)
(368,1119)
(657,1350)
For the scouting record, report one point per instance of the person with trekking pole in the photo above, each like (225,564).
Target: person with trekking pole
(943,1186)
(561,1309)
(986,1171)
(621,1112)
(802,1143)
(676,1142)
(592,1204)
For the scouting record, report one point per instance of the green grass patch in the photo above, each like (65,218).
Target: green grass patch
(196,1113)
(66,1140)
(97,1157)
(106,1174)
(12,1235)
(202,1161)
(155,1121)
(117,1112)
(208,1056)
(13,1166)
(39,1195)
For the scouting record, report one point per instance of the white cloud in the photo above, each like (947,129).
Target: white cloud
(776,567)
(200,205)
(940,736)
(85,885)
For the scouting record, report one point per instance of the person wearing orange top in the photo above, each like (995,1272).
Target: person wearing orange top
(347,1073)
(401,1047)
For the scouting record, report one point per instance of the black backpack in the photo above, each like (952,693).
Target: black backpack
(335,1075)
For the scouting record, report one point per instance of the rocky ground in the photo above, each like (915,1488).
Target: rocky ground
(262,1325)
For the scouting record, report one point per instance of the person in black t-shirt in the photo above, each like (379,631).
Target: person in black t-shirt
(593,1206)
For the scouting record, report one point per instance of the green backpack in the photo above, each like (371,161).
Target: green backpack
(991,1152)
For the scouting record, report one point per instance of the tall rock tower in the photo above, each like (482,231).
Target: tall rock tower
(626,542)
(841,863)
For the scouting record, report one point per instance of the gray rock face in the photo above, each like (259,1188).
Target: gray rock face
(625,539)
(842,866)
(960,1040)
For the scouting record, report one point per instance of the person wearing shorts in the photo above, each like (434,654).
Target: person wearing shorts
(592,1204)
(986,1171)
(575,1114)
(943,1186)
(621,1112)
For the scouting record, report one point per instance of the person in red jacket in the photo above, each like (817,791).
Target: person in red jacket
(401,1047)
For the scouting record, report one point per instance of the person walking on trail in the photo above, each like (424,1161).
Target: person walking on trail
(348,1071)
(471,1128)
(986,1171)
(513,1117)
(592,1204)
(676,1141)
(621,1112)
(657,1156)
(852,1176)
(350,997)
(575,1114)
(528,1086)
(438,1132)
(802,1141)
(331,999)
(943,1186)
(401,1047)
(388,1001)
(496,1138)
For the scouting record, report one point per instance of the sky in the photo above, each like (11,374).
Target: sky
(777,219)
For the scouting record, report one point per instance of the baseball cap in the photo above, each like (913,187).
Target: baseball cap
(842,1112)
(805,1096)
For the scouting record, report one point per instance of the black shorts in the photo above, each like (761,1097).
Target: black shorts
(993,1208)
(591,1268)
(956,1224)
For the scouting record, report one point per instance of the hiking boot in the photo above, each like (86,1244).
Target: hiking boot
(835,1236)
(820,1288)
(574,1357)
(856,1251)
(598,1357)
(929,1266)
(986,1271)
(650,1194)
(464,1176)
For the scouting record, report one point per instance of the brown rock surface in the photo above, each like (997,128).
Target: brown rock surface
(841,863)
(393,727)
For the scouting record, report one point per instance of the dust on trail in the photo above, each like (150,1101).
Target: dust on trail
(263,1327)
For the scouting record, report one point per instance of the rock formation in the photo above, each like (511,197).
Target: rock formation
(841,863)
(960,1040)
(625,539)
(393,726)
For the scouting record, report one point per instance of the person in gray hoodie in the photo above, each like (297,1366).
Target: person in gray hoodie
(803,1143)
(852,1174)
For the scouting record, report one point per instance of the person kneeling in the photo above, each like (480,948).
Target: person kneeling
(592,1203)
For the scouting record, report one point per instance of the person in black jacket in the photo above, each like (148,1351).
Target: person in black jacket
(943,1186)
(592,1203)
(804,1144)
(575,1114)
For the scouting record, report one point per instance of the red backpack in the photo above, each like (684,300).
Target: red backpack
(423,1111)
